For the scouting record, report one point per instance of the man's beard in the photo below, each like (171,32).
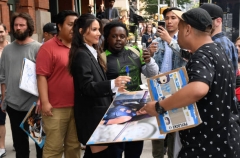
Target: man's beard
(20,36)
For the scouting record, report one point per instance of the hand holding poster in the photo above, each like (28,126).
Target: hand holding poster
(163,86)
(32,125)
(124,122)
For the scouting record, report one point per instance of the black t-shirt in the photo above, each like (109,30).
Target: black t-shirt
(218,135)
(117,63)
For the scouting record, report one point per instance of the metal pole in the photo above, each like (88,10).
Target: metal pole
(158,10)
(173,3)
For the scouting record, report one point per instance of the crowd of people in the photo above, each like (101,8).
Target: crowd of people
(81,64)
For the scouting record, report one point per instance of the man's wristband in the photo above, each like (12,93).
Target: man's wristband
(160,110)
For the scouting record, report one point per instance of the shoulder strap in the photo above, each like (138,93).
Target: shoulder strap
(134,50)
(104,57)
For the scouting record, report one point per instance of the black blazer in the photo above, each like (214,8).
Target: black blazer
(92,93)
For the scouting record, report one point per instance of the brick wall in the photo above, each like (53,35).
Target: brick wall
(4,13)
(65,5)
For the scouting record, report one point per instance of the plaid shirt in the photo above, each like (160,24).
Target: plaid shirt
(229,48)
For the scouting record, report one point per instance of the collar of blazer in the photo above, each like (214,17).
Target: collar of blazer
(97,65)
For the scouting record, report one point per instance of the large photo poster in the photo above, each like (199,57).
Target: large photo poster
(163,86)
(124,122)
(32,125)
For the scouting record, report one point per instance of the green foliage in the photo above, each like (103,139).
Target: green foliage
(195,5)
(180,3)
(151,5)
(152,8)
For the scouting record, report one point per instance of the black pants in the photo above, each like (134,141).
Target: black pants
(20,138)
(131,149)
(102,154)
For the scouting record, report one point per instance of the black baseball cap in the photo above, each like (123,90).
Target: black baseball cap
(50,28)
(198,18)
(213,10)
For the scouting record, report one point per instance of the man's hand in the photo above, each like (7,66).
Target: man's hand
(121,81)
(150,108)
(146,56)
(149,40)
(38,107)
(1,107)
(153,48)
(47,109)
(122,90)
(163,34)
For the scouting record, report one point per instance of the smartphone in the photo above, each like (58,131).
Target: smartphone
(144,46)
(161,23)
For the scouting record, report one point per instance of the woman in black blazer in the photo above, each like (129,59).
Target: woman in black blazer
(93,92)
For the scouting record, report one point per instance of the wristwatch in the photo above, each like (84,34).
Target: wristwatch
(160,110)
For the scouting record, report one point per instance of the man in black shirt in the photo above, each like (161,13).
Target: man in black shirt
(211,86)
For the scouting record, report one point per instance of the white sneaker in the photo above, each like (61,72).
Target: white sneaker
(2,153)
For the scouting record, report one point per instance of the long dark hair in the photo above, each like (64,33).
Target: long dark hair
(84,21)
(146,32)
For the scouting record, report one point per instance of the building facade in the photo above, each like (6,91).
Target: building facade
(42,11)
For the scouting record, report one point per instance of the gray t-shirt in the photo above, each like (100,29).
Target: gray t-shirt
(10,72)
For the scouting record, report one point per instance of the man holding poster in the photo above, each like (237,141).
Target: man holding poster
(211,85)
(16,101)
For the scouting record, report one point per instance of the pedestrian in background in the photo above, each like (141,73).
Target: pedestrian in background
(3,43)
(14,100)
(218,36)
(166,52)
(49,31)
(148,35)
(111,13)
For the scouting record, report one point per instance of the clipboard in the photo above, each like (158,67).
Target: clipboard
(28,80)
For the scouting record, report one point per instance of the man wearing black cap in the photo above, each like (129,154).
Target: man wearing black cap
(49,31)
(218,36)
(211,85)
